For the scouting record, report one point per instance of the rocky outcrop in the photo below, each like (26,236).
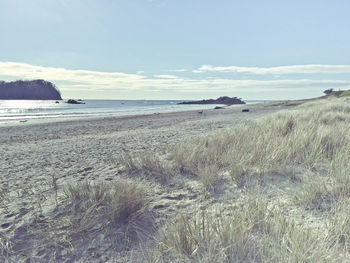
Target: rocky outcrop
(29,90)
(222,100)
(70,101)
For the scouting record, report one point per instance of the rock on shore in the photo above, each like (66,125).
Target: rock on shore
(222,100)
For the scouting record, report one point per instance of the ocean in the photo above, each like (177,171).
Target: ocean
(21,110)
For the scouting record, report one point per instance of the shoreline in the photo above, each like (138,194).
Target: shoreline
(257,110)
(46,120)
(43,158)
(77,112)
(66,147)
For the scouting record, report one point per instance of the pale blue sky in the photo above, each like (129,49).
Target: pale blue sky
(178,49)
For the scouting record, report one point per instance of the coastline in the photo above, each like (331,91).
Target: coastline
(65,147)
(36,154)
(226,115)
(12,111)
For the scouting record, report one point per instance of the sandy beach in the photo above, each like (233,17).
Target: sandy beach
(36,154)
(32,152)
(194,186)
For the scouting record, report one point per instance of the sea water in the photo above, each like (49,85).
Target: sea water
(17,110)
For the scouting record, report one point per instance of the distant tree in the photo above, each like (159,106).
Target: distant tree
(328,91)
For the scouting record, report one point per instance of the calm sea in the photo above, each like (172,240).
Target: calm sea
(16,110)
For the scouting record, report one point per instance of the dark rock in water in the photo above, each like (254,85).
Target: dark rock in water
(218,108)
(57,101)
(222,100)
(29,90)
(200,112)
(70,101)
(245,110)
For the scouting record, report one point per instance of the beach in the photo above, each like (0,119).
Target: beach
(38,154)
(166,186)
(65,148)
(194,186)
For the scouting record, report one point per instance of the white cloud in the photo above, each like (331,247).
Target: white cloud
(293,69)
(178,70)
(166,76)
(135,86)
(87,77)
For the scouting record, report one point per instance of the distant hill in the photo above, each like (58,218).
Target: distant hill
(29,90)
(222,100)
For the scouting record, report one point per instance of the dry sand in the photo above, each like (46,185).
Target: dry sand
(34,155)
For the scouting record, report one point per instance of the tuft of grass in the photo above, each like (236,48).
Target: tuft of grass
(315,195)
(339,225)
(150,165)
(249,233)
(289,241)
(116,203)
(89,208)
(224,236)
(323,192)
(209,176)
(340,173)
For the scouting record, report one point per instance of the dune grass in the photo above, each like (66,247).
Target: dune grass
(252,232)
(115,214)
(116,203)
(303,137)
(346,93)
(313,137)
(149,165)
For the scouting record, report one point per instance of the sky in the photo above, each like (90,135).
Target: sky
(178,49)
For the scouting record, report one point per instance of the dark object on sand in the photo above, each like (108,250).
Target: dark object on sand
(23,120)
(218,108)
(70,101)
(57,101)
(222,100)
(245,110)
(200,112)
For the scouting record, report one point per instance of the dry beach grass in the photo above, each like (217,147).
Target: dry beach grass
(271,185)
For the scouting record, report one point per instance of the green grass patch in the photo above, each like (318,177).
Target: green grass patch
(345,93)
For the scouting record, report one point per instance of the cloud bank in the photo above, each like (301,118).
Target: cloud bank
(120,85)
(293,69)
